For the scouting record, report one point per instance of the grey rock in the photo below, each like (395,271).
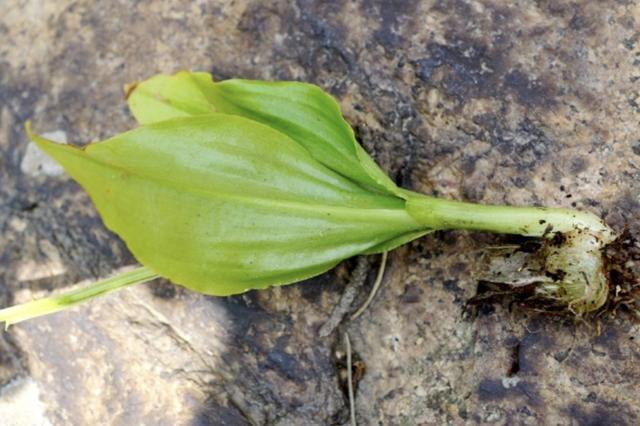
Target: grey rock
(524,103)
(37,163)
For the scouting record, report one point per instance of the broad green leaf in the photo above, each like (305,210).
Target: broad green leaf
(222,204)
(302,111)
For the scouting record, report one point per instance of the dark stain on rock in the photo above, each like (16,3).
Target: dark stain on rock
(265,340)
(601,415)
(624,211)
(258,20)
(453,287)
(312,289)
(578,165)
(581,23)
(163,289)
(284,363)
(20,98)
(633,101)
(562,355)
(520,181)
(553,7)
(458,268)
(326,60)
(22,202)
(244,313)
(473,66)
(412,294)
(630,43)
(457,8)
(220,72)
(485,309)
(496,390)
(528,91)
(469,165)
(317,44)
(466,70)
(214,413)
(532,347)
(95,253)
(524,146)
(609,340)
(426,67)
(394,16)
(12,359)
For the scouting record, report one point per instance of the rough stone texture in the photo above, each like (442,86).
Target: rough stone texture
(537,102)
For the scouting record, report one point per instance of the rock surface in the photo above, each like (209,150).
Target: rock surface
(537,102)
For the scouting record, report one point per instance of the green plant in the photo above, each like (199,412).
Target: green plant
(239,185)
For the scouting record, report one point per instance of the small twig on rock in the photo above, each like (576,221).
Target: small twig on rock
(352,403)
(344,305)
(374,289)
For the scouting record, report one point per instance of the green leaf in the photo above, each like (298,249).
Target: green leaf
(221,204)
(163,97)
(302,111)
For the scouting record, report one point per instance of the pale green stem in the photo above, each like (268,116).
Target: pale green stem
(584,284)
(437,213)
(49,305)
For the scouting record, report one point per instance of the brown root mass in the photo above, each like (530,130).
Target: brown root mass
(517,284)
